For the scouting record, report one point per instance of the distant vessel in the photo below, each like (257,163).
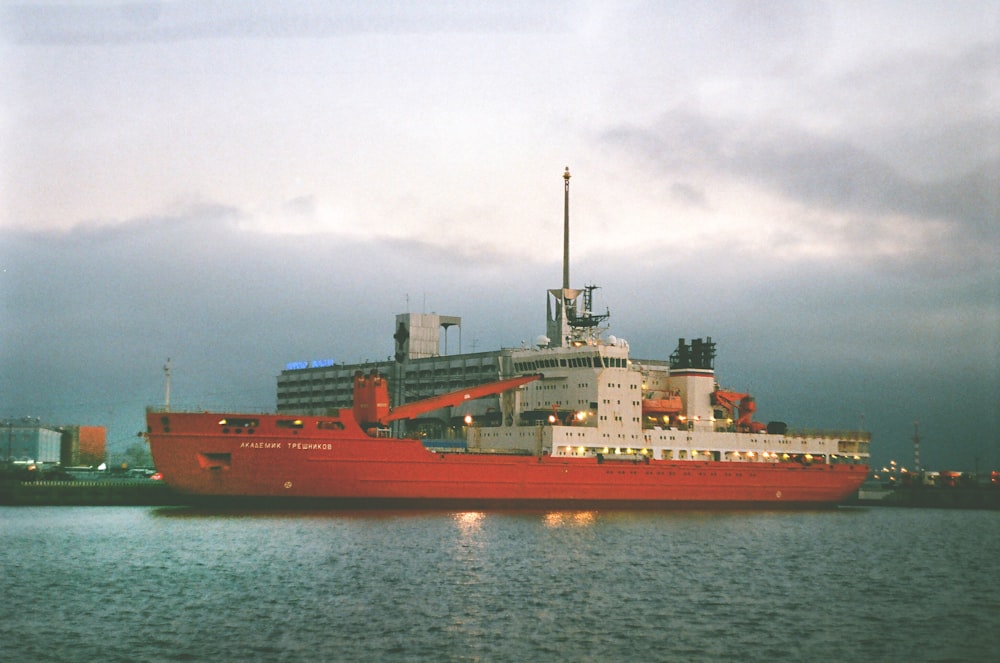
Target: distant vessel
(581,425)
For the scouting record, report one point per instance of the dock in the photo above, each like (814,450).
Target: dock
(112,492)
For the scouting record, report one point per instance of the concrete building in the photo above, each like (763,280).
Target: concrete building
(26,439)
(420,368)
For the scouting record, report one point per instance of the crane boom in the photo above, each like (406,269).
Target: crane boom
(416,408)
(741,407)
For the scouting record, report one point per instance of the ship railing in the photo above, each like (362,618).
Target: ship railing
(197,409)
(496,451)
(854,435)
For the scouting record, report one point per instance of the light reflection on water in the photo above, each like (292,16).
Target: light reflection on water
(84,584)
(469,521)
(570,518)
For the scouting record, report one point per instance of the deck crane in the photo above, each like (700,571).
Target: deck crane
(741,408)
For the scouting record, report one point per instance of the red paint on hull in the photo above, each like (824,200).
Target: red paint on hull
(196,457)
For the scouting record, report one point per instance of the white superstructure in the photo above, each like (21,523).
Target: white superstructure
(593,401)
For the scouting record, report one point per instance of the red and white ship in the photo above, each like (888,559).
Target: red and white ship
(581,425)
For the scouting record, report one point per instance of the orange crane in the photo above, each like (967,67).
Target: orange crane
(741,408)
(371,398)
(410,410)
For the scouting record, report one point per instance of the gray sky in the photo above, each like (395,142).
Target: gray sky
(238,185)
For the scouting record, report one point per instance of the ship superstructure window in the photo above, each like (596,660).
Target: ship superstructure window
(330,425)
(288,423)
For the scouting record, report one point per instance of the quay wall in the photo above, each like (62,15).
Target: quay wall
(972,497)
(140,492)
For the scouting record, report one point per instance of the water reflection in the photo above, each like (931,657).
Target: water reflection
(570,518)
(469,522)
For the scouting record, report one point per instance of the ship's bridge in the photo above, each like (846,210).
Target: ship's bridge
(588,385)
(610,354)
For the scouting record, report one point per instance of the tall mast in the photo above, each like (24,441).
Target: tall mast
(166,371)
(566,177)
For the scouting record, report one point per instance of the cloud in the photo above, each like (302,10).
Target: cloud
(229,305)
(840,195)
(150,22)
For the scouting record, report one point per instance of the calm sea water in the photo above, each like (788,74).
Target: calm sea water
(174,584)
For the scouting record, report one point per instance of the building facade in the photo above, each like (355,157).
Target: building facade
(27,440)
(420,368)
(83,445)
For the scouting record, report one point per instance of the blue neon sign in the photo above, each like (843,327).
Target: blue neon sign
(315,363)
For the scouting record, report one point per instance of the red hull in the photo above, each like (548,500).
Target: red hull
(198,456)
